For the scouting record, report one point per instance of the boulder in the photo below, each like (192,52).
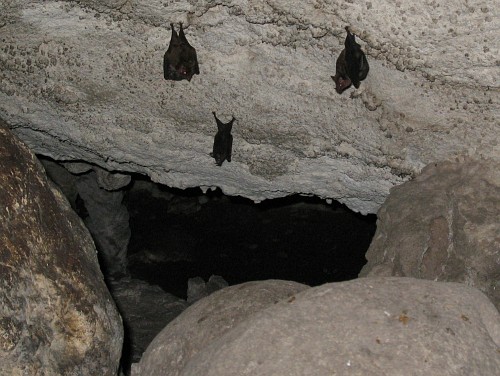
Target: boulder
(369,326)
(444,225)
(145,309)
(207,320)
(56,314)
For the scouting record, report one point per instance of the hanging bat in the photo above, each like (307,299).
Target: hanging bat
(223,141)
(180,61)
(352,66)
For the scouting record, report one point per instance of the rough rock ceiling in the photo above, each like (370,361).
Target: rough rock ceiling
(83,80)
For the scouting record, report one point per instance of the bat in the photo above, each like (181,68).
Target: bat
(223,141)
(352,66)
(180,61)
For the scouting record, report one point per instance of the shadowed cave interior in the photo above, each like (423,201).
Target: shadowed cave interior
(181,234)
(177,235)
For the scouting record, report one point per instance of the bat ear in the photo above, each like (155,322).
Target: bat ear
(219,124)
(182,36)
(174,34)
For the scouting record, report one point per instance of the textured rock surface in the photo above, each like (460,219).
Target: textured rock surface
(368,326)
(107,221)
(145,309)
(83,81)
(56,315)
(448,231)
(104,213)
(206,321)
(199,289)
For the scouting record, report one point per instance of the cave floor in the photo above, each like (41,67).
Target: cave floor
(296,238)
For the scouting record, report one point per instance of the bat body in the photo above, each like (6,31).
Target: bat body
(352,66)
(223,141)
(180,61)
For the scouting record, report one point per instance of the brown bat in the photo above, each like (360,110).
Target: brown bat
(352,66)
(180,61)
(223,141)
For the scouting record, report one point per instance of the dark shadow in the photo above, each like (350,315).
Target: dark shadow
(294,238)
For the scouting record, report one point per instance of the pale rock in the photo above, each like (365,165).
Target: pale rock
(369,326)
(56,314)
(444,226)
(207,320)
(83,81)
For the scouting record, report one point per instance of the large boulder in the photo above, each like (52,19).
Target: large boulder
(206,321)
(369,326)
(444,225)
(56,314)
(83,80)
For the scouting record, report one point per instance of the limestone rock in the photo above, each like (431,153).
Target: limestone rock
(63,178)
(56,314)
(111,181)
(101,206)
(368,326)
(146,310)
(444,225)
(107,221)
(206,321)
(83,81)
(198,289)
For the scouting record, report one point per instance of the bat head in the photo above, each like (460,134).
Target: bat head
(219,158)
(184,72)
(181,71)
(341,83)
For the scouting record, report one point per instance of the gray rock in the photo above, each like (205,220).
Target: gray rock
(198,289)
(77,168)
(216,282)
(368,326)
(56,314)
(146,310)
(107,221)
(444,225)
(63,178)
(432,91)
(105,215)
(206,321)
(111,181)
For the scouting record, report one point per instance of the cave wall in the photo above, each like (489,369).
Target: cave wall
(83,80)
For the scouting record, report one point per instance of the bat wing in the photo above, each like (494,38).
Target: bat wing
(356,63)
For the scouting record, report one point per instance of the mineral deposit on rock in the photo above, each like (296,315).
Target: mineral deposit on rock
(83,81)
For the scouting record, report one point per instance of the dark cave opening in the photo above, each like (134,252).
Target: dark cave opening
(171,235)
(181,234)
